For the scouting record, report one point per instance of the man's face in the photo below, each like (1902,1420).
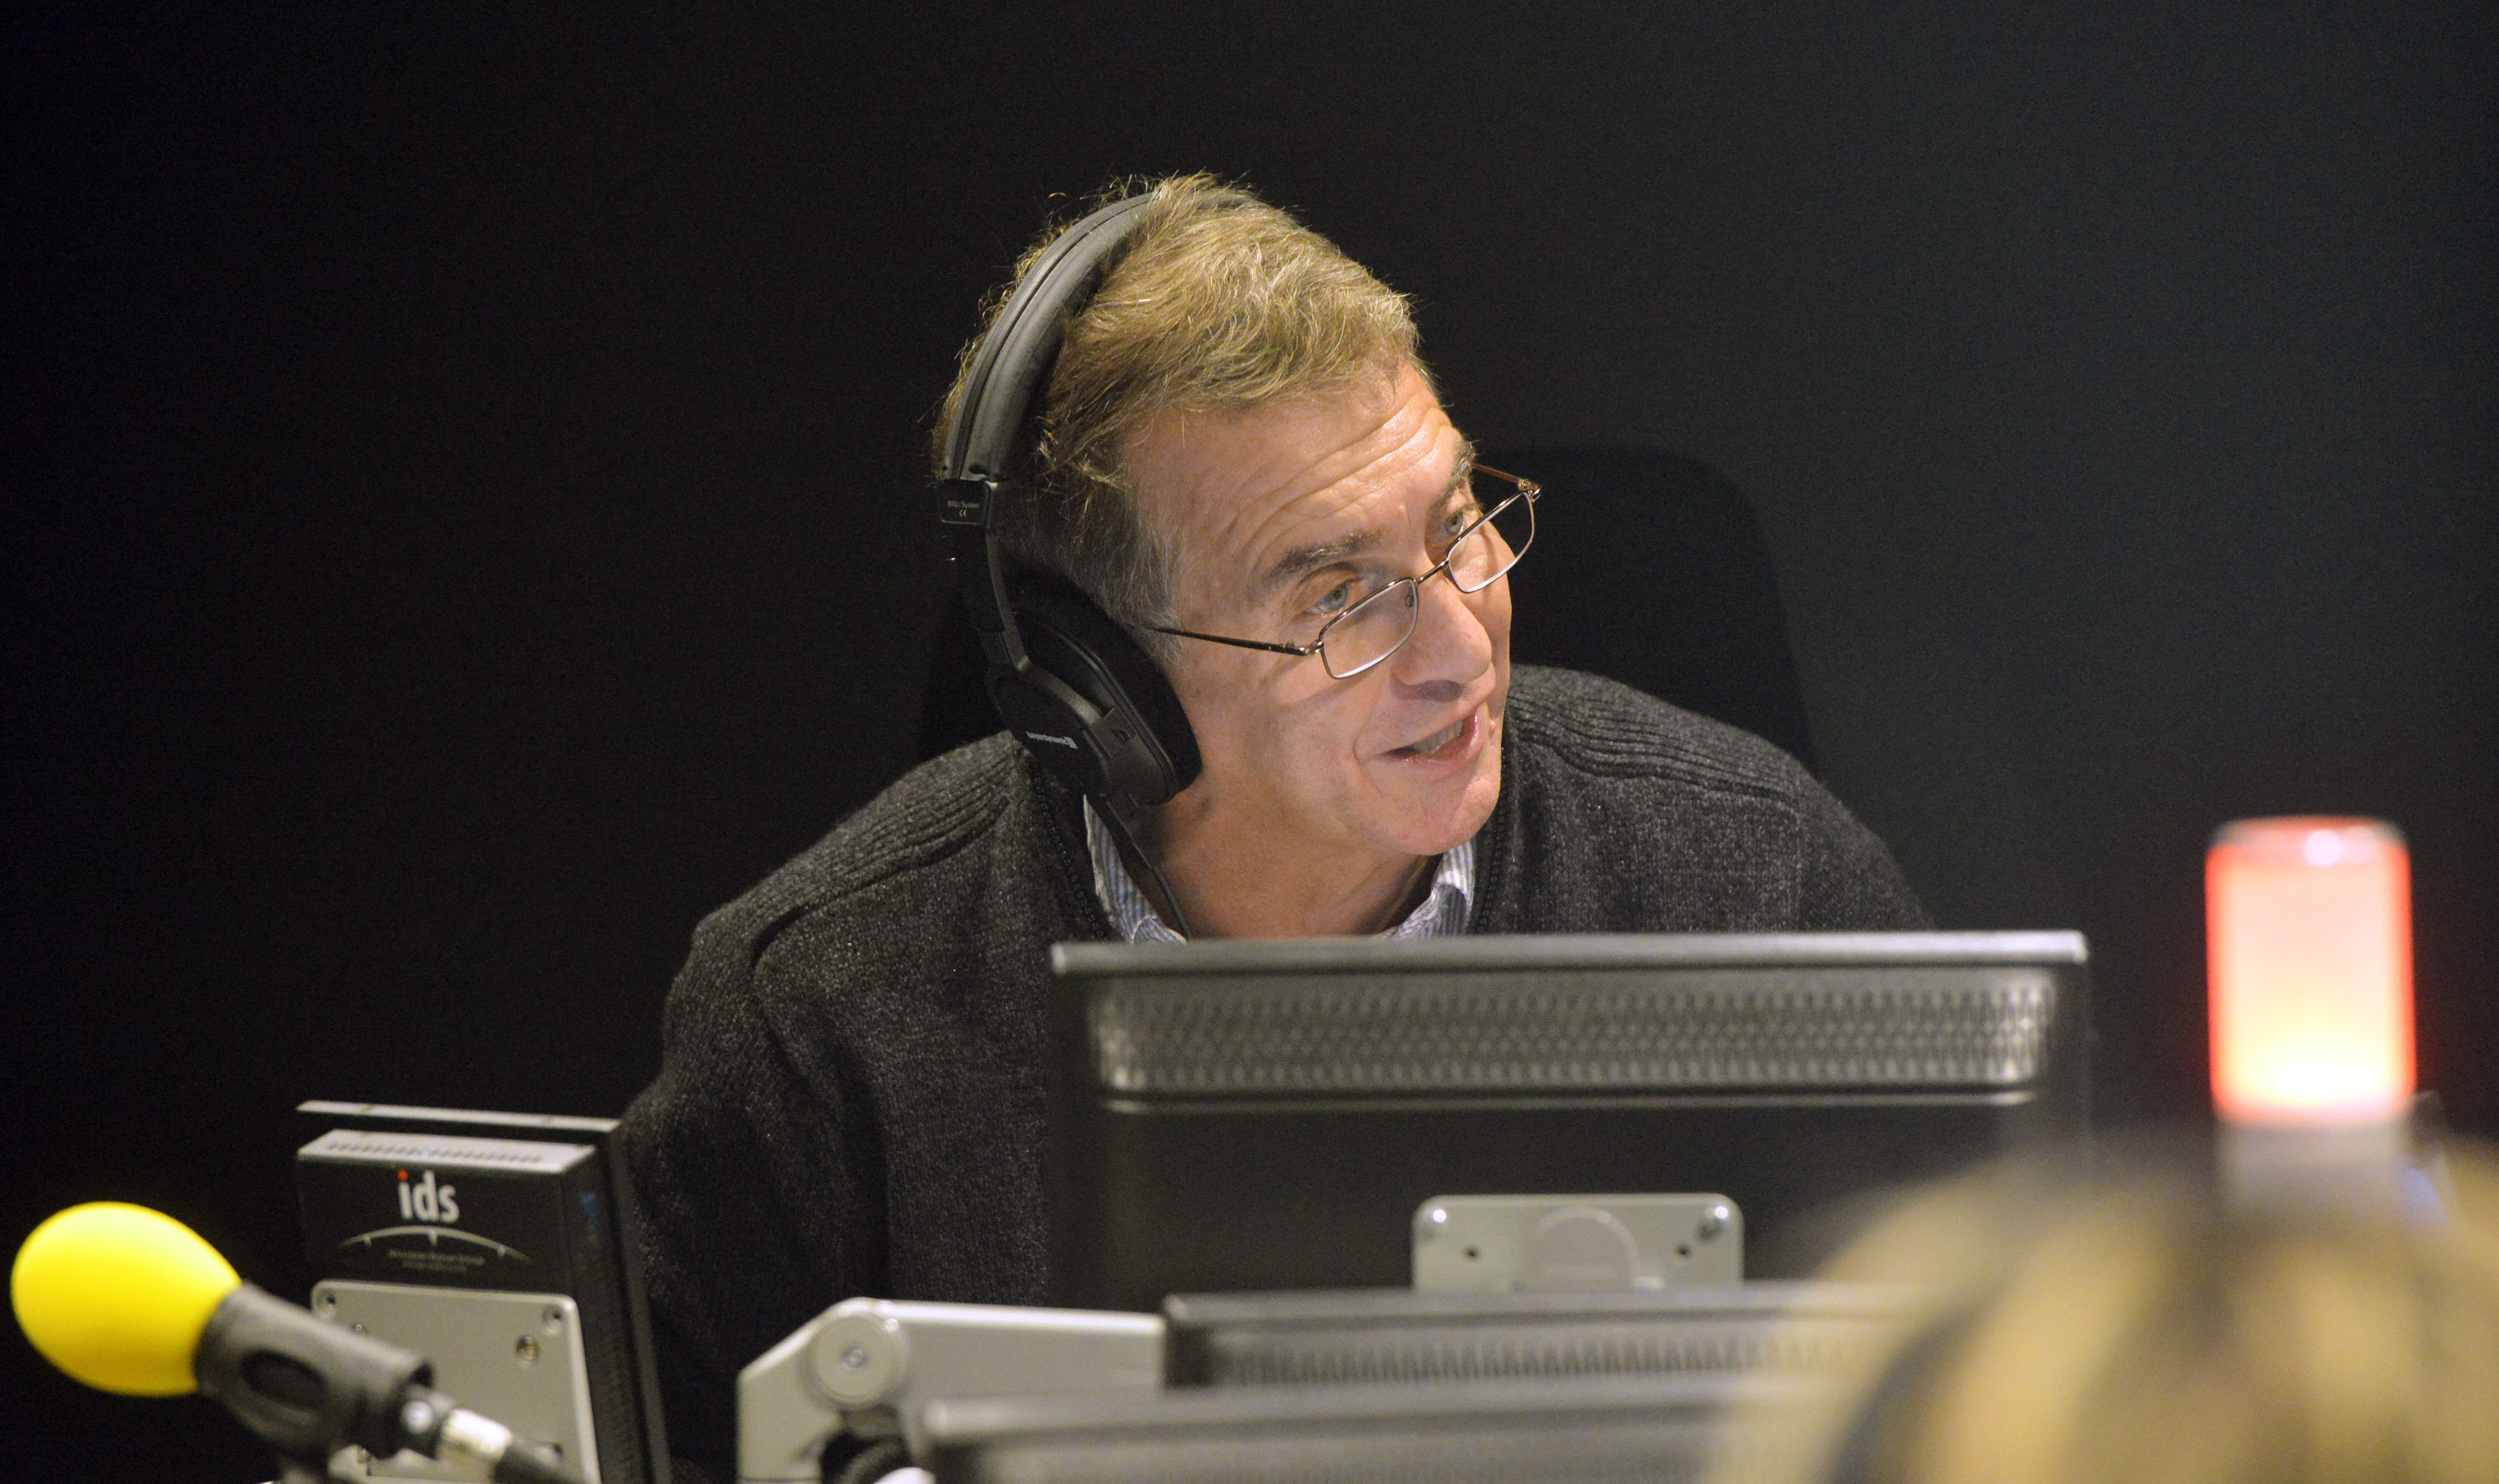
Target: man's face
(1270,514)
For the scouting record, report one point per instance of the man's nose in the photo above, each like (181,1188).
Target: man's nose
(1449,647)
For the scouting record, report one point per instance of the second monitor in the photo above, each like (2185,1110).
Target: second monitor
(1259,1115)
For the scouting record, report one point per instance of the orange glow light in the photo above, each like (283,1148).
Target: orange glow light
(2309,926)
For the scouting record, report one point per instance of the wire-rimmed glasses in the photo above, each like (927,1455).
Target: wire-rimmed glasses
(1377,624)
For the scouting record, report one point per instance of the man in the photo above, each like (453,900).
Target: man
(1239,446)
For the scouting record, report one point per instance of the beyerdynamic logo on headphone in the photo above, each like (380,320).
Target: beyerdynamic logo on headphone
(1068,743)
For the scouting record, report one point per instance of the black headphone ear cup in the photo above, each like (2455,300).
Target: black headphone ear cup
(1075,641)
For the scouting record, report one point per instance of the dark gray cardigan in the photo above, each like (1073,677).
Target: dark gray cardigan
(850,1096)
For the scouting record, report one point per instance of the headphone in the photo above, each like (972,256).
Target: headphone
(1082,695)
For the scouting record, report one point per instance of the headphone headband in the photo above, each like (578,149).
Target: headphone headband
(992,416)
(1013,364)
(1087,701)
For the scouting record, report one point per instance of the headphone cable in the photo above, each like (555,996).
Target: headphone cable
(1116,817)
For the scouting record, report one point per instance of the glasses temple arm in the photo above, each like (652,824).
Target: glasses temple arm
(1298,650)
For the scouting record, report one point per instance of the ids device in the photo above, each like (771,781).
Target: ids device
(505,1247)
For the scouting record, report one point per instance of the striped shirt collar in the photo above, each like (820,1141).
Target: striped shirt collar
(1442,914)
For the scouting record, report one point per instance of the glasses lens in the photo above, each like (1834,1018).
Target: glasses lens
(1367,632)
(1492,547)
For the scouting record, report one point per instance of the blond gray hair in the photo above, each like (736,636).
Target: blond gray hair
(2140,1330)
(1215,301)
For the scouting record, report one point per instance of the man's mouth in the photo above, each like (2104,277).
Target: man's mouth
(1448,740)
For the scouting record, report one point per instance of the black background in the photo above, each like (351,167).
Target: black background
(463,513)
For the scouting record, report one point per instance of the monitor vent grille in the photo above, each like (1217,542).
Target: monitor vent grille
(1604,1032)
(1496,1353)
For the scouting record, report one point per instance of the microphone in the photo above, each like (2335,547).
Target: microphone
(130,1300)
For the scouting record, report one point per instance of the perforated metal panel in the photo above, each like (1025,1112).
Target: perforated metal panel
(521,1157)
(1476,1353)
(1656,1431)
(1617,1031)
(1387,1337)
(1601,1453)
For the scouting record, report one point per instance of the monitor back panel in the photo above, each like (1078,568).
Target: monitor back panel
(1238,1117)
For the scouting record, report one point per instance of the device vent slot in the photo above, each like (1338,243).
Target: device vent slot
(1520,1353)
(518,1154)
(1585,1032)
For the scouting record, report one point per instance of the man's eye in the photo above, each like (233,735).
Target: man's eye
(1458,520)
(1334,601)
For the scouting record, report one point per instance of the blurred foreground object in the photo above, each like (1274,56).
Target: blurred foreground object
(2147,1329)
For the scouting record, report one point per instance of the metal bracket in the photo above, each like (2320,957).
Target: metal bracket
(866,1365)
(1529,1244)
(516,1357)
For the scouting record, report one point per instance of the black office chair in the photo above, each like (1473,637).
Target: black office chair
(1648,570)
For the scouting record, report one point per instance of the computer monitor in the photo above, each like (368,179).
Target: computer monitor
(504,1247)
(1242,1115)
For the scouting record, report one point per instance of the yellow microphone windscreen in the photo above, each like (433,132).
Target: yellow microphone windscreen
(117,1296)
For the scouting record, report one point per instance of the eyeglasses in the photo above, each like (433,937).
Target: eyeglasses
(1372,625)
